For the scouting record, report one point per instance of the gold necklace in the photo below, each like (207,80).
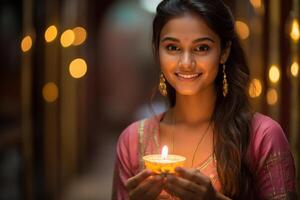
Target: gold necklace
(199,142)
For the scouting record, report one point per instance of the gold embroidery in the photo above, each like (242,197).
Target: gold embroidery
(276,160)
(156,137)
(280,197)
(141,143)
(270,176)
(145,138)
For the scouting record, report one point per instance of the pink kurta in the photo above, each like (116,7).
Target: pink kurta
(270,158)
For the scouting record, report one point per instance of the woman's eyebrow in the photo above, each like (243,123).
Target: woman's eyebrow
(194,41)
(204,39)
(170,39)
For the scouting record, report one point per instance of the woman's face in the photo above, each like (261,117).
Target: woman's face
(190,54)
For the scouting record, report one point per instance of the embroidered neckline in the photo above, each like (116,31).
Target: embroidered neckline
(156,134)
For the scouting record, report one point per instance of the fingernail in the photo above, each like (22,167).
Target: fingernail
(147,172)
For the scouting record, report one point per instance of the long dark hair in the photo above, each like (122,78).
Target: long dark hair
(232,114)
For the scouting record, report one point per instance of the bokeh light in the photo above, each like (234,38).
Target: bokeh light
(78,68)
(26,43)
(255,88)
(50,92)
(80,35)
(272,96)
(295,32)
(256,3)
(50,33)
(67,38)
(274,74)
(242,29)
(295,69)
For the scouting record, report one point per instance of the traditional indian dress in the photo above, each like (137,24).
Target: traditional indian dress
(269,157)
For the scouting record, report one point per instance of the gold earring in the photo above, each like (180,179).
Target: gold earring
(225,83)
(162,85)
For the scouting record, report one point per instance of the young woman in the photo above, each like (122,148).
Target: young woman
(232,153)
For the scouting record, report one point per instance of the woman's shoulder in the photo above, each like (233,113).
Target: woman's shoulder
(261,121)
(133,130)
(267,137)
(270,158)
(264,126)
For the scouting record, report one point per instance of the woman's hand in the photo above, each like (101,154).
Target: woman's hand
(144,185)
(190,184)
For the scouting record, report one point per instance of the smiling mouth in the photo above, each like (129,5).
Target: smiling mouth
(188,76)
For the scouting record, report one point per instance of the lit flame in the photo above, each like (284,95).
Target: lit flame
(164,152)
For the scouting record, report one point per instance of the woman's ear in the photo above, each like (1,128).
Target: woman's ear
(225,53)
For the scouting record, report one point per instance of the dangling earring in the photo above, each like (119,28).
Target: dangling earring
(162,85)
(225,83)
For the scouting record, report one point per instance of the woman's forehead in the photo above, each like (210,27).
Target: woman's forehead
(187,27)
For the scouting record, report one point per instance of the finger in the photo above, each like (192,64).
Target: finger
(137,179)
(178,191)
(185,184)
(154,191)
(151,183)
(163,197)
(193,175)
(199,179)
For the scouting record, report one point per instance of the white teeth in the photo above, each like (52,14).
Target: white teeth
(188,76)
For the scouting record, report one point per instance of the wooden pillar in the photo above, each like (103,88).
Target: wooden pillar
(69,106)
(51,109)
(26,104)
(295,95)
(274,57)
(265,53)
(285,52)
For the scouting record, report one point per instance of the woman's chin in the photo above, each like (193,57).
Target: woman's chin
(187,92)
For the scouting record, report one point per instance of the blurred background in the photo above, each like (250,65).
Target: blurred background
(75,73)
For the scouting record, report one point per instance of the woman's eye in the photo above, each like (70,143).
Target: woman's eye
(202,48)
(172,48)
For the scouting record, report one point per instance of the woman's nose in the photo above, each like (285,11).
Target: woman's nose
(186,61)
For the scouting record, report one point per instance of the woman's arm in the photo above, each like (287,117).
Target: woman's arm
(122,170)
(125,163)
(272,162)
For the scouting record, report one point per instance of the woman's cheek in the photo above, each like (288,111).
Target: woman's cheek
(167,62)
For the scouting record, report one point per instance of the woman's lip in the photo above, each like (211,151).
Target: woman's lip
(183,76)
